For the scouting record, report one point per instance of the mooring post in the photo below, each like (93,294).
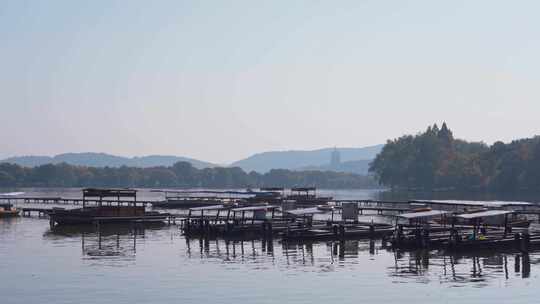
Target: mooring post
(342,249)
(270,245)
(99,237)
(526,242)
(505,224)
(517,241)
(526,265)
(342,231)
(134,240)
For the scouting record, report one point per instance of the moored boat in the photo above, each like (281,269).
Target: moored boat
(105,214)
(7,210)
(307,196)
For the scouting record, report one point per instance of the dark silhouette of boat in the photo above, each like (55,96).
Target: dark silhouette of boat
(125,210)
(7,210)
(307,196)
(184,199)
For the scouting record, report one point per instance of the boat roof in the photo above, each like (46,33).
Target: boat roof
(272,189)
(254,208)
(247,192)
(303,189)
(473,203)
(11,193)
(109,192)
(480,214)
(213,207)
(421,214)
(304,211)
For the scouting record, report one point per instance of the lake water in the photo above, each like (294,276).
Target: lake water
(159,265)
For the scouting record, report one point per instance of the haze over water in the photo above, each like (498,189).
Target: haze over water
(75,265)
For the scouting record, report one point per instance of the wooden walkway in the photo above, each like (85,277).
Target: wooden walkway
(163,217)
(40,211)
(72,201)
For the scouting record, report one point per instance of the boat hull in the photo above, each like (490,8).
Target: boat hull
(9,213)
(185,204)
(103,214)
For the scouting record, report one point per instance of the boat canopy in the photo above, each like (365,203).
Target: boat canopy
(228,192)
(97,192)
(11,194)
(481,214)
(494,204)
(254,208)
(303,189)
(422,214)
(205,208)
(304,211)
(272,189)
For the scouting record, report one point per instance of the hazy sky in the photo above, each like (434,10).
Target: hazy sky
(220,80)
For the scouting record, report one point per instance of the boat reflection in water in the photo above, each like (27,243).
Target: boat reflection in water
(287,253)
(109,240)
(459,268)
(421,266)
(113,244)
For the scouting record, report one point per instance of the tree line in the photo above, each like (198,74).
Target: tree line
(180,175)
(435,160)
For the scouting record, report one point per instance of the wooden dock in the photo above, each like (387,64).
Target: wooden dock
(163,217)
(73,201)
(42,212)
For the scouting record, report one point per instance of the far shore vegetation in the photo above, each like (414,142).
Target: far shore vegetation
(435,160)
(180,175)
(430,161)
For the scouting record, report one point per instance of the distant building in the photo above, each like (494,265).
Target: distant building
(335,159)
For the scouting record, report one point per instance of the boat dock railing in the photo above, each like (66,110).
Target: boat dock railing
(73,201)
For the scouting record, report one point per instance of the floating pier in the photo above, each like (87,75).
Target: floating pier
(101,213)
(71,201)
(407,225)
(467,231)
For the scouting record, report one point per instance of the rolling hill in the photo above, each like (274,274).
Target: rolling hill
(352,166)
(105,160)
(301,159)
(353,160)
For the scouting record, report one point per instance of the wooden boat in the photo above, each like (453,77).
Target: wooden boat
(186,202)
(7,210)
(307,196)
(105,214)
(185,199)
(476,236)
(338,232)
(221,220)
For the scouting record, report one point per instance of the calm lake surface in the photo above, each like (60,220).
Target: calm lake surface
(159,265)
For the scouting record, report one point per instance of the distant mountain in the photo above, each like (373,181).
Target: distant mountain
(352,160)
(105,160)
(293,160)
(353,166)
